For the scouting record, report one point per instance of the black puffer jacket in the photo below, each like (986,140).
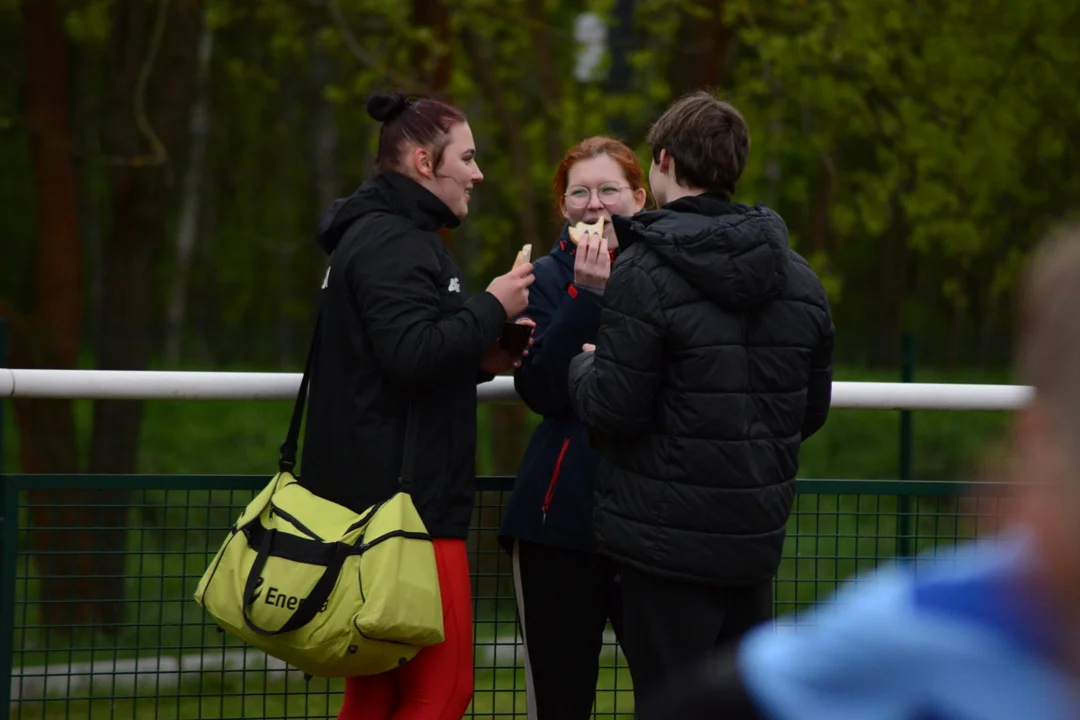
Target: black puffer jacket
(713,363)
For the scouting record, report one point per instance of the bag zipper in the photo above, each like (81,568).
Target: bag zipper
(288,517)
(554,479)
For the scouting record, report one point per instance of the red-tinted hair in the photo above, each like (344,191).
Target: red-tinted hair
(407,119)
(590,148)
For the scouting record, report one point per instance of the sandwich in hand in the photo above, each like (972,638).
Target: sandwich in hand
(524,255)
(578,230)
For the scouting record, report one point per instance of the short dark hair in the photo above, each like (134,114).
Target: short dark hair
(707,138)
(409,118)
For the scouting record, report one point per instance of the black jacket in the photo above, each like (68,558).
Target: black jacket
(713,363)
(552,500)
(396,329)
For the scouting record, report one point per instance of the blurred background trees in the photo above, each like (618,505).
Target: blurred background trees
(164,164)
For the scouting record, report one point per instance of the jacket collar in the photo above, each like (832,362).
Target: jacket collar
(411,199)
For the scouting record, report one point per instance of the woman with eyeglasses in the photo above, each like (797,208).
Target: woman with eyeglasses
(566,592)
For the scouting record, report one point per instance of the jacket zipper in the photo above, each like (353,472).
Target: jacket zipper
(554,479)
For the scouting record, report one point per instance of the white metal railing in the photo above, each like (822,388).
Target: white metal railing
(169,385)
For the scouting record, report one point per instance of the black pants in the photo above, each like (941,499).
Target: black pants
(669,625)
(565,599)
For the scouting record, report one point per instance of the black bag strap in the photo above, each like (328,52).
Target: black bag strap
(408,457)
(287,459)
(311,605)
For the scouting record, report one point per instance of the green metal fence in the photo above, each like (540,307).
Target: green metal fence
(133,644)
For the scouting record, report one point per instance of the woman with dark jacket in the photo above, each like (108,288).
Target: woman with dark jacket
(400,344)
(565,591)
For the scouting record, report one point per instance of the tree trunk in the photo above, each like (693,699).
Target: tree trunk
(50,337)
(893,256)
(146,119)
(713,65)
(621,43)
(821,207)
(191,203)
(434,67)
(47,108)
(700,57)
(549,70)
(85,64)
(325,139)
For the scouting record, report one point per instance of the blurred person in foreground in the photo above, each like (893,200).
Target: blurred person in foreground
(991,634)
(712,364)
(402,344)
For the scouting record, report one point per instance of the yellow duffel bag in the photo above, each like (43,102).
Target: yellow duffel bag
(329,591)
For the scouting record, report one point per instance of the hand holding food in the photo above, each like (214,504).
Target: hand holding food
(512,289)
(578,230)
(592,262)
(524,255)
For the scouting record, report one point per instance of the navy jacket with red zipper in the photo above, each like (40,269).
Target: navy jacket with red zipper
(552,501)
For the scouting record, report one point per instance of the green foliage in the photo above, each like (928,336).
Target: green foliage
(937,118)
(88,22)
(939,139)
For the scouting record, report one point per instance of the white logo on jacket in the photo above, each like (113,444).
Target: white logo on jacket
(326,280)
(455,285)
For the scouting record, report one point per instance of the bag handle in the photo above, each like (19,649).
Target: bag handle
(287,459)
(309,606)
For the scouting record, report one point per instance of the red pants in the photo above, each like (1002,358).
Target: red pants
(438,683)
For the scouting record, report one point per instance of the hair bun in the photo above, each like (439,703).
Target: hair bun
(385,108)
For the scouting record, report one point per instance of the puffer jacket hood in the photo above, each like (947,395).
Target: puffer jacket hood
(734,254)
(388,192)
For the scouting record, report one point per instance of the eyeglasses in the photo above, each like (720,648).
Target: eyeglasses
(578,197)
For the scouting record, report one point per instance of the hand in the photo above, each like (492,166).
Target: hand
(496,360)
(592,263)
(512,289)
(588,347)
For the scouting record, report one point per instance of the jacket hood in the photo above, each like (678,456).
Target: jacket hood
(388,192)
(736,255)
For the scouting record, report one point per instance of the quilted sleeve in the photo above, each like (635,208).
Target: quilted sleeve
(614,389)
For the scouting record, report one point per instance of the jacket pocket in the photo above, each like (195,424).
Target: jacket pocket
(554,478)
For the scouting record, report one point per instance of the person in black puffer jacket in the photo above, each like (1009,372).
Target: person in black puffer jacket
(713,362)
(399,351)
(566,592)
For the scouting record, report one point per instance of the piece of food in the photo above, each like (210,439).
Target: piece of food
(524,255)
(579,230)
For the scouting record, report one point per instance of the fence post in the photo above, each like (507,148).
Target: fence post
(3,364)
(9,536)
(907,442)
(9,518)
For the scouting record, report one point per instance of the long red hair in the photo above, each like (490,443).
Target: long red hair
(590,148)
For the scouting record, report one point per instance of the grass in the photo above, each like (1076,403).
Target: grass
(169,541)
(319,699)
(171,535)
(832,537)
